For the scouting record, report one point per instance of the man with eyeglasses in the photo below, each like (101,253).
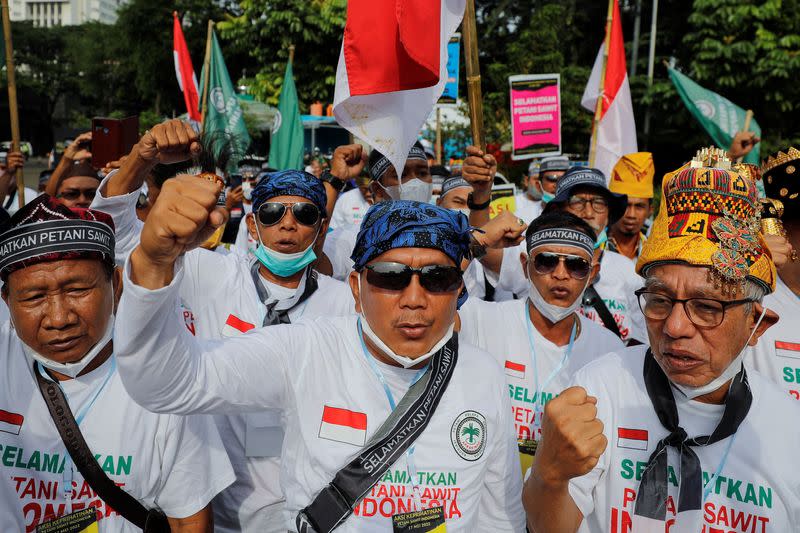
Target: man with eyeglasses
(680,435)
(229,295)
(542,341)
(389,420)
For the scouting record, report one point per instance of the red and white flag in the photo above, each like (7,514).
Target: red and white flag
(235,326)
(184,70)
(515,370)
(11,422)
(392,69)
(787,349)
(616,129)
(634,439)
(343,425)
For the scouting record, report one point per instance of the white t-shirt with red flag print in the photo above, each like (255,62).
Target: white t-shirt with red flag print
(317,374)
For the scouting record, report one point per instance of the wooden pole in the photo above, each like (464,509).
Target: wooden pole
(598,108)
(12,98)
(748,117)
(438,135)
(473,69)
(206,73)
(291,54)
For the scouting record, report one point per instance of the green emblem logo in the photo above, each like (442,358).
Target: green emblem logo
(468,435)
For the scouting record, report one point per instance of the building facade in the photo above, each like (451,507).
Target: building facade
(48,13)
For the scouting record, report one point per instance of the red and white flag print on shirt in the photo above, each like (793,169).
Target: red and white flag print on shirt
(343,425)
(236,326)
(616,131)
(634,439)
(11,422)
(787,349)
(515,370)
(392,69)
(184,70)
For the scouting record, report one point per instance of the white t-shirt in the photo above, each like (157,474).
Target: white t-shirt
(219,299)
(13,206)
(245,245)
(758,489)
(309,369)
(173,462)
(350,209)
(777,354)
(615,284)
(527,209)
(476,279)
(339,245)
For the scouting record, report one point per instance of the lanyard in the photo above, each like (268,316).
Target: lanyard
(709,484)
(412,469)
(67,475)
(538,405)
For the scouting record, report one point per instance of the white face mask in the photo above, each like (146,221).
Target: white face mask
(727,374)
(551,312)
(402,360)
(414,189)
(247,190)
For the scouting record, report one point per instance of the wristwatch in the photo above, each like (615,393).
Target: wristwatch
(476,249)
(335,182)
(477,207)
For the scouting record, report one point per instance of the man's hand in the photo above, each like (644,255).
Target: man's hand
(780,248)
(503,231)
(79,149)
(478,170)
(234,198)
(742,144)
(169,142)
(572,438)
(114,165)
(183,217)
(348,161)
(14,160)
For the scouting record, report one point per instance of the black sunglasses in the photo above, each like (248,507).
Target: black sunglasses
(546,263)
(397,276)
(270,213)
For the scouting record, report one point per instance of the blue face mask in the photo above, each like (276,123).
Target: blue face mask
(602,239)
(547,197)
(284,265)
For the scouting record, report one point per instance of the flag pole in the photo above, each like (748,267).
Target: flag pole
(13,110)
(748,117)
(473,75)
(206,74)
(291,54)
(598,108)
(438,135)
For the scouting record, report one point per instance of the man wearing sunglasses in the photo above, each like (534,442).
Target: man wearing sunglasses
(672,437)
(447,448)
(542,341)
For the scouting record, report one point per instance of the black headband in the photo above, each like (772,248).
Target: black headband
(561,237)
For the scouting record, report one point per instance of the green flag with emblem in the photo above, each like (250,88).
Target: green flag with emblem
(286,144)
(720,117)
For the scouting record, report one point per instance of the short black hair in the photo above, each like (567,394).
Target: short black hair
(560,219)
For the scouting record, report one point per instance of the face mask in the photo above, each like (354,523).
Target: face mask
(402,360)
(727,375)
(602,239)
(547,197)
(463,210)
(551,312)
(534,192)
(414,189)
(247,190)
(73,369)
(284,265)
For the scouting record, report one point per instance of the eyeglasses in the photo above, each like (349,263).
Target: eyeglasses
(270,213)
(546,262)
(74,194)
(397,276)
(703,312)
(598,203)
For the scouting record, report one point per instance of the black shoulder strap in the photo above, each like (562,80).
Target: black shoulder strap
(591,298)
(398,432)
(152,521)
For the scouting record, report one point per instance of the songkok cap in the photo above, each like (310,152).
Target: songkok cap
(709,216)
(291,183)
(549,164)
(378,163)
(781,177)
(453,183)
(579,177)
(47,230)
(633,175)
(533,168)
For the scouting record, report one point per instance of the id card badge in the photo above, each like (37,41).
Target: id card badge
(527,453)
(425,521)
(83,521)
(263,434)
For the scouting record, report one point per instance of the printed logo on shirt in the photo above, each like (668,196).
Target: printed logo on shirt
(343,425)
(235,326)
(787,349)
(11,422)
(188,319)
(633,439)
(515,370)
(468,435)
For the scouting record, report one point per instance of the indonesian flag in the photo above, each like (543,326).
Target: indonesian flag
(11,422)
(184,70)
(515,370)
(634,439)
(343,425)
(392,69)
(616,130)
(235,326)
(787,349)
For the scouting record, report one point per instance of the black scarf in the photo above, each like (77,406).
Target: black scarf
(272,316)
(651,499)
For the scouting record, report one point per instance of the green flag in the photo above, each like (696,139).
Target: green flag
(223,112)
(720,117)
(286,144)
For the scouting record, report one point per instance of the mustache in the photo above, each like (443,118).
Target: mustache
(412,318)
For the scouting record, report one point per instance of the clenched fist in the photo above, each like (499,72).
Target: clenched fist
(169,142)
(478,170)
(503,231)
(572,437)
(348,161)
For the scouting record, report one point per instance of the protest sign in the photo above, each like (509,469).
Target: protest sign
(535,115)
